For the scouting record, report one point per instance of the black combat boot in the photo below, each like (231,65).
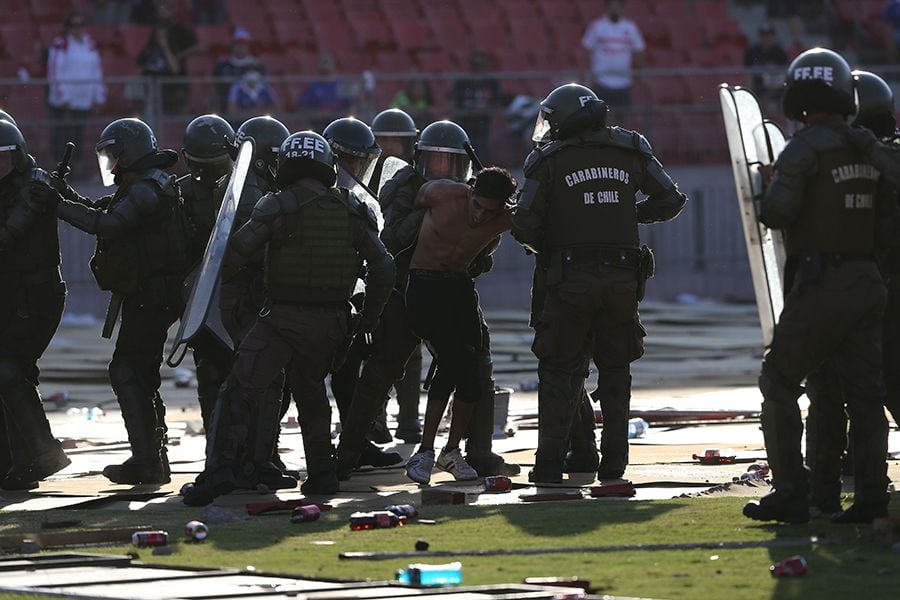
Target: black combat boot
(374,456)
(614,396)
(379,432)
(368,398)
(583,456)
(147,464)
(777,506)
(34,453)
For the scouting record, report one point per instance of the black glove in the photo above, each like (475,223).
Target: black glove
(44,195)
(861,138)
(60,185)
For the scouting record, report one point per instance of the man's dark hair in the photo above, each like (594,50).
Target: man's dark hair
(495,183)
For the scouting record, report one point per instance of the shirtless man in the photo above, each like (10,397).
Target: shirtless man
(443,305)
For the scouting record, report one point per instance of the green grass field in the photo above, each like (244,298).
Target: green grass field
(849,563)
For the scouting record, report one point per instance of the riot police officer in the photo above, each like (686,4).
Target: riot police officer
(142,237)
(396,134)
(579,214)
(317,236)
(207,141)
(356,154)
(826,421)
(823,196)
(31,306)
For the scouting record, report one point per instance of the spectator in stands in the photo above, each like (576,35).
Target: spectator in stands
(236,64)
(474,98)
(251,96)
(75,80)
(614,44)
(110,12)
(767,55)
(416,99)
(209,12)
(143,12)
(891,18)
(327,97)
(164,56)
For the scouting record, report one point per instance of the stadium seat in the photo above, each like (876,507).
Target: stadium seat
(50,11)
(411,33)
(16,40)
(134,38)
(214,38)
(49,32)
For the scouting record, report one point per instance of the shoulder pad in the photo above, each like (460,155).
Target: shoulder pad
(626,138)
(798,156)
(159,177)
(534,158)
(40,175)
(267,208)
(363,210)
(144,197)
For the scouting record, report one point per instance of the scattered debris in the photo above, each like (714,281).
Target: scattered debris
(613,490)
(196,531)
(408,511)
(422,546)
(789,567)
(376,519)
(29,546)
(154,537)
(573,582)
(714,456)
(438,496)
(420,574)
(546,496)
(497,484)
(259,508)
(302,514)
(756,471)
(214,515)
(162,551)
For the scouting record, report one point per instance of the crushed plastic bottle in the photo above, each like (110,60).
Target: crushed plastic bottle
(420,574)
(637,427)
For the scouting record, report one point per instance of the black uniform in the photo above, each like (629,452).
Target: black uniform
(142,237)
(31,306)
(823,197)
(317,239)
(212,359)
(578,212)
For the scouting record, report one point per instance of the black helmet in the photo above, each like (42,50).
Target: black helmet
(441,152)
(568,110)
(819,80)
(876,104)
(354,146)
(208,140)
(305,154)
(122,144)
(396,133)
(13,151)
(5,116)
(268,134)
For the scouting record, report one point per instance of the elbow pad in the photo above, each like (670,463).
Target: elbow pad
(661,208)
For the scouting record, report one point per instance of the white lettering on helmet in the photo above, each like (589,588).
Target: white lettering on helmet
(826,74)
(306,147)
(585,99)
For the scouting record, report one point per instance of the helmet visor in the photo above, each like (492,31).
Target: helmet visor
(541,128)
(361,167)
(444,165)
(107,163)
(208,170)
(7,160)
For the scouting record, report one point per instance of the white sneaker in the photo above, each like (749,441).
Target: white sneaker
(453,462)
(419,466)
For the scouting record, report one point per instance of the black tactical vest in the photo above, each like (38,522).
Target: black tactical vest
(158,247)
(39,247)
(838,214)
(592,197)
(318,261)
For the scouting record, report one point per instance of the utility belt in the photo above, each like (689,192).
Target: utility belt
(625,258)
(809,266)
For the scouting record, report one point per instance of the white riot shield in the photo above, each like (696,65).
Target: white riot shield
(202,306)
(389,168)
(752,143)
(347,180)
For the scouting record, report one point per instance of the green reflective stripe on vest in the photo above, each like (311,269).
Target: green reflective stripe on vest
(318,261)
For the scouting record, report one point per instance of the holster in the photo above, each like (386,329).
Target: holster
(646,269)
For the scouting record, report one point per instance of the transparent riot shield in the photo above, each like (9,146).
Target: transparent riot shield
(202,306)
(752,143)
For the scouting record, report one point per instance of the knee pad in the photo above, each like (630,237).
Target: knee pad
(121,373)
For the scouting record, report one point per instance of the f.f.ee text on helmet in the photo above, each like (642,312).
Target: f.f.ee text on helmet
(826,74)
(307,147)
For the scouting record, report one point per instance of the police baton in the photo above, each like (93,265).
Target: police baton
(476,162)
(62,168)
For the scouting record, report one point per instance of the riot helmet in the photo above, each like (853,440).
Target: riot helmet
(441,152)
(818,81)
(13,151)
(207,147)
(568,110)
(305,154)
(122,144)
(354,146)
(876,104)
(5,116)
(396,134)
(268,134)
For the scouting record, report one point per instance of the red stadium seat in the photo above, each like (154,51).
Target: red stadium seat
(16,40)
(558,11)
(104,37)
(50,11)
(49,32)
(134,38)
(213,37)
(411,33)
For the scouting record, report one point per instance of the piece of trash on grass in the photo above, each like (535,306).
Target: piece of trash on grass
(714,557)
(497,484)
(421,574)
(196,531)
(213,515)
(573,582)
(714,456)
(305,513)
(153,537)
(422,546)
(162,551)
(376,519)
(322,543)
(789,567)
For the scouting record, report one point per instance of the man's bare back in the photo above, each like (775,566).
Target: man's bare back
(457,226)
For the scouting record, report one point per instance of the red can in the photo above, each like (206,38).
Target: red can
(307,512)
(156,537)
(789,567)
(377,519)
(498,483)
